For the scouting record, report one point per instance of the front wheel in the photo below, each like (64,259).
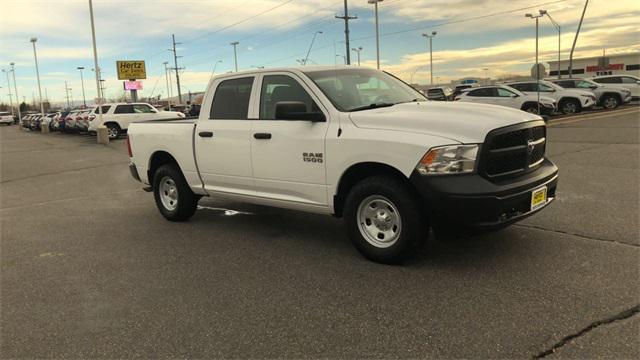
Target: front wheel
(174,198)
(384,220)
(531,108)
(570,106)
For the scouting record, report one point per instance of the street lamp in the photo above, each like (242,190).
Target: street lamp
(15,89)
(557,26)
(375,3)
(213,72)
(537,66)
(343,57)
(35,56)
(430,37)
(310,46)
(235,53)
(9,90)
(166,79)
(357,50)
(486,76)
(84,100)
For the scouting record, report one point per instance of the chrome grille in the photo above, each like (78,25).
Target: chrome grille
(513,151)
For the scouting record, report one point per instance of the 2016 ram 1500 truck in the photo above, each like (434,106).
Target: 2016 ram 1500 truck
(353,142)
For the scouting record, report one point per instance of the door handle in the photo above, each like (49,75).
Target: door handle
(205,134)
(262,136)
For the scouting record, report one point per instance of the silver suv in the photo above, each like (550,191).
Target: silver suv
(606,96)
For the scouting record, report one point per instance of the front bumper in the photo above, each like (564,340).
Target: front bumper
(473,202)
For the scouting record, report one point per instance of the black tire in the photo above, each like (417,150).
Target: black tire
(570,106)
(412,232)
(186,202)
(531,108)
(114,131)
(610,102)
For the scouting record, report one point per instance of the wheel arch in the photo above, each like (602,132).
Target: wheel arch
(527,103)
(358,172)
(156,160)
(610,93)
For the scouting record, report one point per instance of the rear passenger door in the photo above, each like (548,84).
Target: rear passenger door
(123,114)
(222,139)
(288,149)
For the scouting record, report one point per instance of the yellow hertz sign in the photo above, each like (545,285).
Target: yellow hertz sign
(128,70)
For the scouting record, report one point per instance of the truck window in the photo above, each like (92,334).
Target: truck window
(231,99)
(484,92)
(123,109)
(277,88)
(142,109)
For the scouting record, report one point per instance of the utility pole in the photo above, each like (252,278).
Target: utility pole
(235,53)
(9,89)
(66,91)
(346,19)
(175,61)
(575,40)
(35,57)
(15,89)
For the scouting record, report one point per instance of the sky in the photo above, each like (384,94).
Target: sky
(472,35)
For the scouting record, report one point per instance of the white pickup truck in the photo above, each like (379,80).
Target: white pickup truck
(353,142)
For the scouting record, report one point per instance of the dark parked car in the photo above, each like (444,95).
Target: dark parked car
(440,93)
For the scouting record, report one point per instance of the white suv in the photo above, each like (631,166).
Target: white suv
(509,97)
(117,116)
(6,118)
(631,83)
(569,101)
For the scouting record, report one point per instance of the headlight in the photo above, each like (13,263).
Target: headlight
(452,159)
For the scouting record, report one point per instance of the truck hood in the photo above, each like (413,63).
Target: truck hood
(457,121)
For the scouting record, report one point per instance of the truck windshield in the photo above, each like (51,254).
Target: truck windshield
(362,89)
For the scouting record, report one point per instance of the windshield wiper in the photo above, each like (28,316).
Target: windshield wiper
(372,106)
(410,101)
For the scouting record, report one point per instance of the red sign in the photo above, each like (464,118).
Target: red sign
(132,85)
(594,68)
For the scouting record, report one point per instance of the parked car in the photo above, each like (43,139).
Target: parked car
(6,118)
(70,121)
(119,115)
(35,122)
(507,96)
(310,139)
(440,93)
(82,121)
(459,88)
(569,101)
(47,120)
(606,96)
(58,120)
(26,121)
(629,82)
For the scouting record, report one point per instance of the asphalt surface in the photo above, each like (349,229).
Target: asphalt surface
(89,268)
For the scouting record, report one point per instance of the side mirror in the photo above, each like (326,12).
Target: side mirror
(593,87)
(295,110)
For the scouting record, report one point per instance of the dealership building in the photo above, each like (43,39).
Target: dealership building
(618,64)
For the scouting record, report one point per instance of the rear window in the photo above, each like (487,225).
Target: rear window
(609,80)
(105,109)
(487,92)
(434,91)
(124,109)
(231,100)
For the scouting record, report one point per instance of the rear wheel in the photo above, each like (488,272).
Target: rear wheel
(570,106)
(174,198)
(384,219)
(610,102)
(113,130)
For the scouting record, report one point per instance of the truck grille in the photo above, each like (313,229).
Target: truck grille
(514,150)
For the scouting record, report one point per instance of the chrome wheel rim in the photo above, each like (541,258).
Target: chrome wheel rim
(113,132)
(570,108)
(532,110)
(168,193)
(610,103)
(379,221)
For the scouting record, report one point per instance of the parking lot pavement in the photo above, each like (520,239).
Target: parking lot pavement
(90,269)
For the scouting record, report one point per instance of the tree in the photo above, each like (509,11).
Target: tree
(23,107)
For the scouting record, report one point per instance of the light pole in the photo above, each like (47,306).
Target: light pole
(15,89)
(84,99)
(357,50)
(213,71)
(235,53)
(344,58)
(35,56)
(375,4)
(430,37)
(486,76)
(557,26)
(99,91)
(537,66)
(310,46)
(9,90)
(166,79)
